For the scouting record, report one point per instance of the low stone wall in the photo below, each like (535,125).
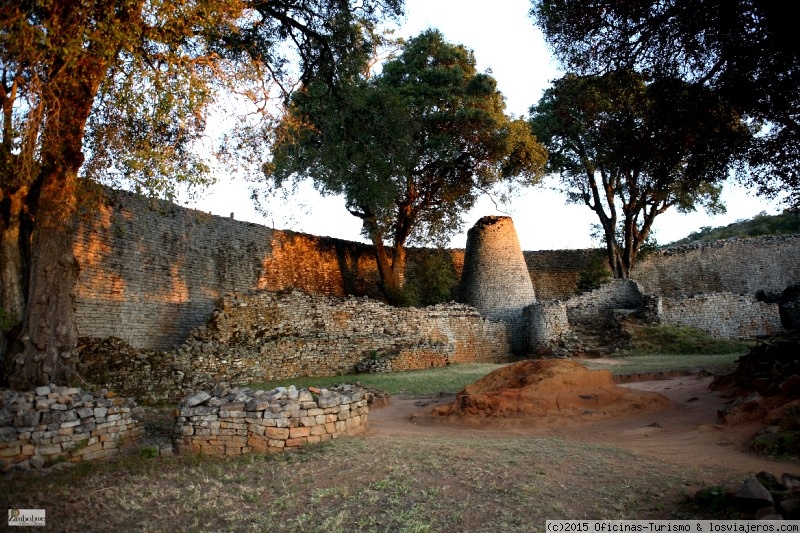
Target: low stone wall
(265,336)
(54,424)
(241,421)
(723,315)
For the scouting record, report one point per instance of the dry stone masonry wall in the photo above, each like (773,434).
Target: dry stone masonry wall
(548,324)
(725,315)
(495,278)
(741,266)
(242,421)
(151,271)
(555,273)
(617,294)
(265,336)
(55,424)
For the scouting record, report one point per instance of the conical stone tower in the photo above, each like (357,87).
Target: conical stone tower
(495,279)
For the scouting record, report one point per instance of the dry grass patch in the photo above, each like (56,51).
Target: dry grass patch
(363,484)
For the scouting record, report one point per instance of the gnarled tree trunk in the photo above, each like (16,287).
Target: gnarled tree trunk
(49,336)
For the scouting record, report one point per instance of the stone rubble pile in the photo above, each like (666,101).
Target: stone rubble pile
(238,421)
(54,424)
(762,497)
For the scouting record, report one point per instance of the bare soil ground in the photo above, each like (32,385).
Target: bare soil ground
(689,433)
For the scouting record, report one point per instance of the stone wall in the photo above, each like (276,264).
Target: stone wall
(151,271)
(722,314)
(741,266)
(238,421)
(616,294)
(55,424)
(495,278)
(548,323)
(265,336)
(555,273)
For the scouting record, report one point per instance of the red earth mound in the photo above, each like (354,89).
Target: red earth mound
(542,387)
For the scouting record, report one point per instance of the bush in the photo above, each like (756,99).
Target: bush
(430,279)
(595,274)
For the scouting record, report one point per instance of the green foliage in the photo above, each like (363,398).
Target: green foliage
(148,452)
(8,320)
(787,223)
(714,499)
(778,444)
(630,147)
(595,274)
(743,50)
(410,148)
(681,340)
(431,278)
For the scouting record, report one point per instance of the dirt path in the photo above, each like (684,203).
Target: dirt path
(689,433)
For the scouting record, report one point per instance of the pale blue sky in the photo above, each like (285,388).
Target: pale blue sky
(506,42)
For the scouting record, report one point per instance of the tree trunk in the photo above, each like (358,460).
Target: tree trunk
(390,270)
(49,333)
(614,254)
(14,251)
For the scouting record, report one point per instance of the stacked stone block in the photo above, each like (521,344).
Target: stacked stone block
(54,424)
(242,421)
(495,279)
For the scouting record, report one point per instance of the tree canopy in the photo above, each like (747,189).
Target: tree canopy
(410,148)
(630,148)
(125,85)
(744,49)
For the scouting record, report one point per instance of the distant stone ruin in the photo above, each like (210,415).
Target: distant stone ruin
(495,278)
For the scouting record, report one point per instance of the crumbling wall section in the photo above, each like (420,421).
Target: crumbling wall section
(616,294)
(265,336)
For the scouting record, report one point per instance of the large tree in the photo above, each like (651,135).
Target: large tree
(744,49)
(135,78)
(410,148)
(630,148)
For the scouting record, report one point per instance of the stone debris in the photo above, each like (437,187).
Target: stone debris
(759,497)
(268,336)
(240,421)
(53,424)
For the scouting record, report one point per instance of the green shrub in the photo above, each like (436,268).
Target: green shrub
(430,279)
(7,320)
(595,274)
